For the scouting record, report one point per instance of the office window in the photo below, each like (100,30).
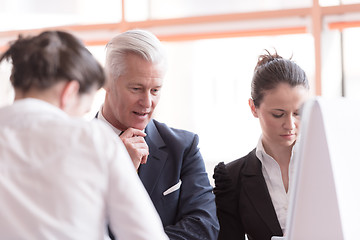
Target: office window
(350,1)
(331,64)
(340,65)
(326,3)
(137,10)
(27,14)
(6,90)
(351,50)
(99,53)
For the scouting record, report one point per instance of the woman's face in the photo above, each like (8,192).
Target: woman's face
(278,114)
(81,103)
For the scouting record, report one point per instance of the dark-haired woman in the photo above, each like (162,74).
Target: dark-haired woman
(62,177)
(252,192)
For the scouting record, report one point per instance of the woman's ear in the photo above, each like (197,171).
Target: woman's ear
(69,94)
(253,108)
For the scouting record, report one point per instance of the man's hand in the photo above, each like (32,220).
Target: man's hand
(135,144)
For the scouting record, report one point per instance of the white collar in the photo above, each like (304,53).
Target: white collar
(101,117)
(263,156)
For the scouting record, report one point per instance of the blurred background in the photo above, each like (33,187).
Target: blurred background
(212,46)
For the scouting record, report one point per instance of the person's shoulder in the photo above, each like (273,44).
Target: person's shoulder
(101,125)
(240,162)
(91,127)
(176,134)
(93,133)
(233,168)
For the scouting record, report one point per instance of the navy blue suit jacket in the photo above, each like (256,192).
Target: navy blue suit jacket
(189,212)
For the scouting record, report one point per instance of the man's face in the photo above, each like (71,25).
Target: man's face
(131,99)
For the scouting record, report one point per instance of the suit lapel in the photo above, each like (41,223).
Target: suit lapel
(149,173)
(256,189)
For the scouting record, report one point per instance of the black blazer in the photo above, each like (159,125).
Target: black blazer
(243,201)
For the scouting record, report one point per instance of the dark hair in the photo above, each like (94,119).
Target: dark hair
(53,56)
(272,69)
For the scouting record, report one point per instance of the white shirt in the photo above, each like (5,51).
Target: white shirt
(101,117)
(65,178)
(273,178)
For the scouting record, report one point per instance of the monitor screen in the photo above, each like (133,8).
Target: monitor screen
(324,197)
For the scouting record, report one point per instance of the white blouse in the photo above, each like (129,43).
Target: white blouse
(273,178)
(66,178)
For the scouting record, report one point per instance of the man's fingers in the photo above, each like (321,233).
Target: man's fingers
(136,139)
(134,142)
(144,159)
(139,157)
(132,132)
(136,146)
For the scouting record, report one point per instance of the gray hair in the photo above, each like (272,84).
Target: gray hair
(140,42)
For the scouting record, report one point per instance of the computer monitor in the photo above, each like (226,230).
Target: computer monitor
(325,191)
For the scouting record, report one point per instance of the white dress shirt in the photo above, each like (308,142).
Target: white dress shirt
(102,118)
(273,178)
(65,178)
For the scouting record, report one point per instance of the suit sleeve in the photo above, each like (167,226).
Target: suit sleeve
(231,227)
(196,216)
